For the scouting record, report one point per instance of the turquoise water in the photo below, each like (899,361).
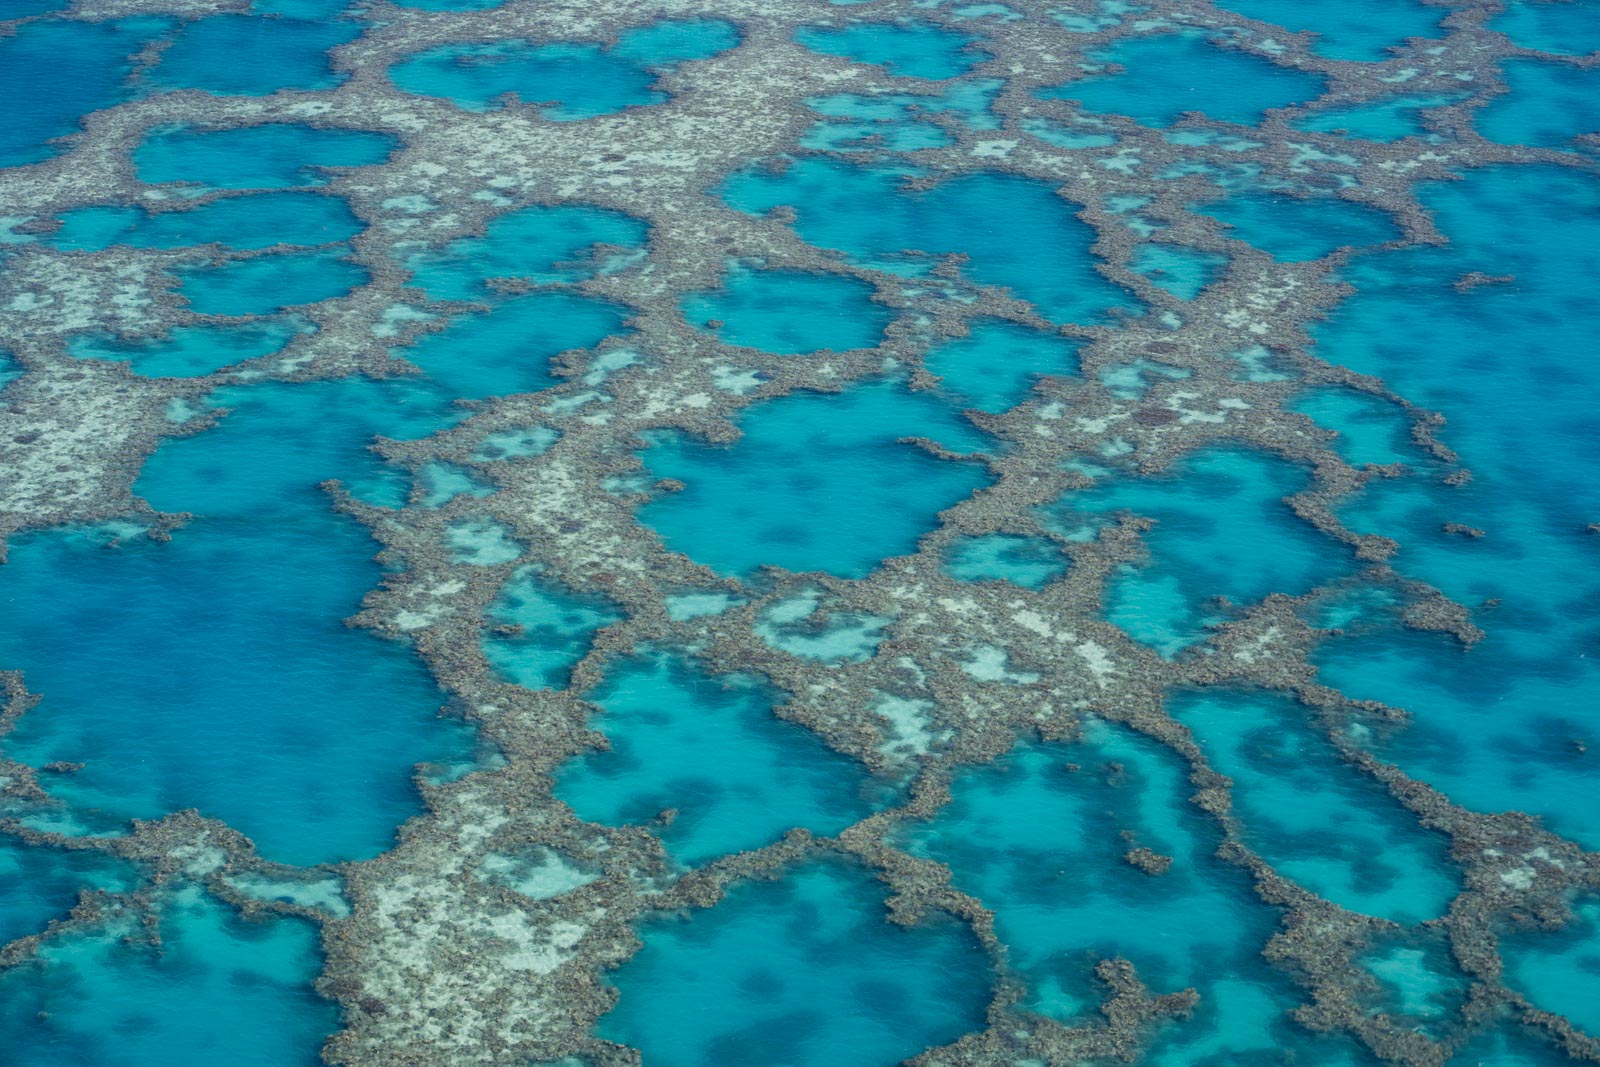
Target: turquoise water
(214,669)
(995,366)
(802,625)
(893,120)
(906,49)
(1296,230)
(552,630)
(1564,27)
(1318,822)
(1517,1049)
(273,156)
(1222,530)
(1558,971)
(789,313)
(265,284)
(83,63)
(540,245)
(1370,428)
(568,81)
(1549,104)
(1037,248)
(804,971)
(162,665)
(1387,121)
(508,350)
(1167,74)
(1030,562)
(241,222)
(191,351)
(16,9)
(1038,837)
(1418,981)
(253,55)
(769,497)
(1243,1019)
(219,990)
(711,750)
(453,5)
(1350,29)
(39,883)
(1183,272)
(1494,727)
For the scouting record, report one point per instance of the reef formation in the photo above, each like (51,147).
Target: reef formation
(801,443)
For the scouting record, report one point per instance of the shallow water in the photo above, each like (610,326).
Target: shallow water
(1222,529)
(712,752)
(789,313)
(905,49)
(1168,74)
(256,157)
(1569,28)
(85,64)
(1387,121)
(1322,824)
(1295,230)
(570,81)
(252,55)
(802,971)
(270,283)
(995,366)
(1038,249)
(1038,837)
(768,498)
(1557,972)
(146,652)
(1486,720)
(220,990)
(39,884)
(244,223)
(193,351)
(1549,104)
(1354,29)
(555,630)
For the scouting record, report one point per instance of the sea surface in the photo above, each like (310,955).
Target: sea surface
(821,533)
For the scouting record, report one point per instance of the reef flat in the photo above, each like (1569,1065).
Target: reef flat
(754,532)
